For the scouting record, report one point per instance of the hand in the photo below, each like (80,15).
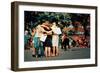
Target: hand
(49,33)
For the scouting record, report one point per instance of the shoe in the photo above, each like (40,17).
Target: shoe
(39,55)
(33,55)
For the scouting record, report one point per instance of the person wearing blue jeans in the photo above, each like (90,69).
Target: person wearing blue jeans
(41,49)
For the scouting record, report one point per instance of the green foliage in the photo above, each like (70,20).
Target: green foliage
(36,18)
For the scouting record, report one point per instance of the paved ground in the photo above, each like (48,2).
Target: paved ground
(74,53)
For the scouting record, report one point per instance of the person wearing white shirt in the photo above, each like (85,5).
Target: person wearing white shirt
(55,38)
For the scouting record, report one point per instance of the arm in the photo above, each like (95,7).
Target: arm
(49,32)
(33,32)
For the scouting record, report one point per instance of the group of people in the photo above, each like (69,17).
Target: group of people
(45,39)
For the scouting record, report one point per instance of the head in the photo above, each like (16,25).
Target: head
(54,23)
(33,29)
(47,23)
(64,34)
(26,32)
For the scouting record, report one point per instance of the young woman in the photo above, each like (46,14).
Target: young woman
(48,42)
(55,39)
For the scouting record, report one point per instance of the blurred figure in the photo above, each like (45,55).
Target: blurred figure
(35,43)
(26,39)
(65,42)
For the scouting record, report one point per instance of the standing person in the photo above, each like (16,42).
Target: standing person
(70,42)
(40,32)
(38,44)
(35,43)
(65,42)
(55,39)
(26,38)
(48,42)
